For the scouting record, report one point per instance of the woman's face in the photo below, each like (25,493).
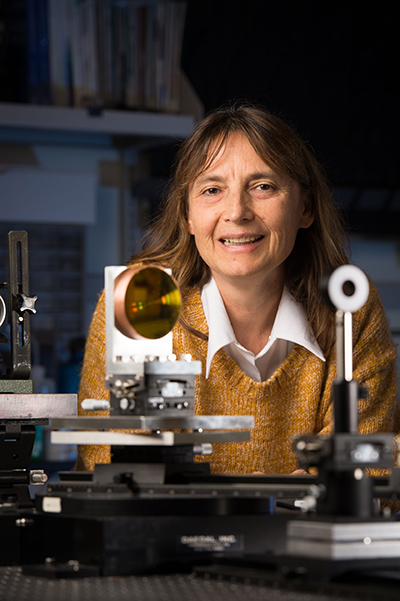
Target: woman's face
(244,216)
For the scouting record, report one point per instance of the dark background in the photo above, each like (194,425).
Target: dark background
(330,68)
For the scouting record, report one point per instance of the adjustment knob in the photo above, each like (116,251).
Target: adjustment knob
(27,303)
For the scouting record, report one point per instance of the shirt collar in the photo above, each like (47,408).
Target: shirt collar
(290,324)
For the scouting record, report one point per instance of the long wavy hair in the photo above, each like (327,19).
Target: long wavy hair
(318,249)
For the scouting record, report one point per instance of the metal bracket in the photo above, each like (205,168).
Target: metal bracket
(20,305)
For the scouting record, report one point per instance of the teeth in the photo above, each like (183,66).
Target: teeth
(245,240)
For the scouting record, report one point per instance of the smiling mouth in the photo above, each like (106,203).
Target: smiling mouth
(240,241)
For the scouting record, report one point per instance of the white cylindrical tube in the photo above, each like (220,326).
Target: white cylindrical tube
(95,405)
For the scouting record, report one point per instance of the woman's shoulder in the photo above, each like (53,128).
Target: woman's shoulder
(98,323)
(371,311)
(371,331)
(191,306)
(191,331)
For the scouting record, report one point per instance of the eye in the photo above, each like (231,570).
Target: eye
(262,190)
(211,191)
(264,187)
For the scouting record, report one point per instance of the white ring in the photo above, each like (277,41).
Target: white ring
(3,310)
(337,296)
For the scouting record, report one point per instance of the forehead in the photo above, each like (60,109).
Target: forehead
(234,155)
(234,148)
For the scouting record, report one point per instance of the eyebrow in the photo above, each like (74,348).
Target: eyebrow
(203,179)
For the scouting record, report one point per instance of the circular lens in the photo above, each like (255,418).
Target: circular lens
(147,302)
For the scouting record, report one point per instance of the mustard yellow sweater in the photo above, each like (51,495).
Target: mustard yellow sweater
(297,399)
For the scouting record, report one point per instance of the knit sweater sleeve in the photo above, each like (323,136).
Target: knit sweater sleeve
(92,384)
(374,368)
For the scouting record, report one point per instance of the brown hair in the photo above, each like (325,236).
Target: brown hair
(318,249)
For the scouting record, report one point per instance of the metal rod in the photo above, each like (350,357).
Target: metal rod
(344,345)
(348,346)
(340,350)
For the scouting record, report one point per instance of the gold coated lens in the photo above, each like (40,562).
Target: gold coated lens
(151,303)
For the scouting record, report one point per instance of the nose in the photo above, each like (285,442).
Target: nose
(238,207)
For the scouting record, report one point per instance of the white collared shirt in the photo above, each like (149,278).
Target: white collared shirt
(290,327)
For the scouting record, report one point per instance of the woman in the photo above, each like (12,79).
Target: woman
(249,229)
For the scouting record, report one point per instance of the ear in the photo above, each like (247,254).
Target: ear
(190,224)
(307,217)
